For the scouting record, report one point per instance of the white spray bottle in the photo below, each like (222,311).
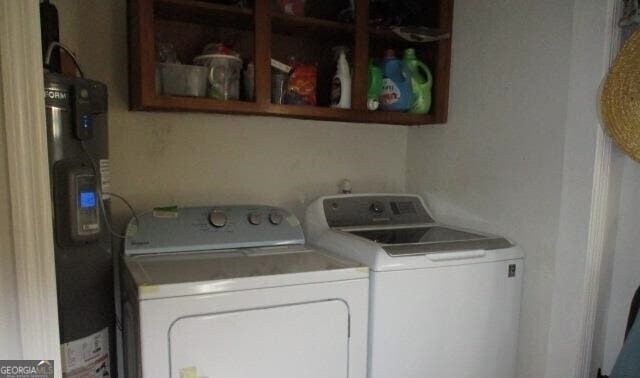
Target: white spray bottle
(341,85)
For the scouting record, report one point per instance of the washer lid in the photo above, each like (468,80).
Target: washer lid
(431,239)
(179,274)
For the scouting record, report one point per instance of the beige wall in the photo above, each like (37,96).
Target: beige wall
(517,157)
(625,267)
(497,164)
(164,158)
(9,327)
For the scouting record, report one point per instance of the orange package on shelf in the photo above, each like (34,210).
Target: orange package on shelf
(301,89)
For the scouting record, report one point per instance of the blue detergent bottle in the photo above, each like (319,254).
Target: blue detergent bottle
(397,94)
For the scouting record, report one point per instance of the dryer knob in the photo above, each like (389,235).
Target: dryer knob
(217,218)
(275,218)
(377,207)
(255,218)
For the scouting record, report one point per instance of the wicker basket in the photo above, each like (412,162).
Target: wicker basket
(620,100)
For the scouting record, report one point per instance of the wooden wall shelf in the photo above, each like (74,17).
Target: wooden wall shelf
(199,12)
(261,33)
(313,28)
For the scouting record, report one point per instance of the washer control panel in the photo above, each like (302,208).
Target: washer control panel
(375,210)
(213,228)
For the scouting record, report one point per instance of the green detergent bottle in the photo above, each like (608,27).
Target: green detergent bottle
(375,86)
(421,82)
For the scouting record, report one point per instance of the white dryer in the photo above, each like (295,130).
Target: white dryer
(444,301)
(234,292)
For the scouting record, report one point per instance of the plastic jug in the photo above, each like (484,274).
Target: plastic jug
(375,86)
(396,92)
(341,84)
(421,82)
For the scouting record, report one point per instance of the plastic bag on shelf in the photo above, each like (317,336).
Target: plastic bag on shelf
(301,88)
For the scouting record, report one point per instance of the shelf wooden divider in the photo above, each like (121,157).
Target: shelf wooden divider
(142,47)
(440,92)
(262,45)
(360,79)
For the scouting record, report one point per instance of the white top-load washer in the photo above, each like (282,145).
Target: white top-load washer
(444,301)
(234,292)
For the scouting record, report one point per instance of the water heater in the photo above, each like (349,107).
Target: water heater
(76,121)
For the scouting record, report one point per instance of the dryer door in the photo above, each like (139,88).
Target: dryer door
(308,340)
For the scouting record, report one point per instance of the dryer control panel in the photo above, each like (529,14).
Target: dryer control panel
(213,228)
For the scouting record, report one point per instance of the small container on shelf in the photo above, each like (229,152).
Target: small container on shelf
(279,81)
(223,74)
(182,79)
(279,84)
(248,82)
